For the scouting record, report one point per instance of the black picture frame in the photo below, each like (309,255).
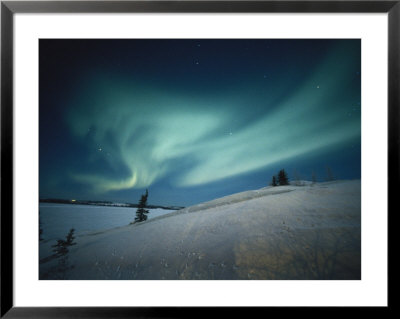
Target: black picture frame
(9,8)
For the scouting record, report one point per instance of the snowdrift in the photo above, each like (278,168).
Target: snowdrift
(286,232)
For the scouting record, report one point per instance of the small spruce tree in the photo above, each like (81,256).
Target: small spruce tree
(61,252)
(70,237)
(141,212)
(273,182)
(61,248)
(283,178)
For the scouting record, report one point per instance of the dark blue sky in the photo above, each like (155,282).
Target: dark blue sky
(193,120)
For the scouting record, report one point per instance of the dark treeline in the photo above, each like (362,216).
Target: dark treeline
(103,203)
(282,179)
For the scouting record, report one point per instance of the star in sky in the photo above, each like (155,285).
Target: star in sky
(162,121)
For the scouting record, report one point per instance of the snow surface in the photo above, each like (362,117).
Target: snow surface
(58,219)
(286,232)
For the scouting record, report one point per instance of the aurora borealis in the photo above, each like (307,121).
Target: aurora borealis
(193,120)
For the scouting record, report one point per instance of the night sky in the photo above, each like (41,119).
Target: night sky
(193,120)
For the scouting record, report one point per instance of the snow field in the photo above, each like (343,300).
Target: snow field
(287,232)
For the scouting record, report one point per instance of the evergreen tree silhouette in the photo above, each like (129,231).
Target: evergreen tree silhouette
(274,183)
(283,178)
(61,248)
(61,252)
(141,212)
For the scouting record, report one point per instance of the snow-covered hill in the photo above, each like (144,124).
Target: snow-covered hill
(285,232)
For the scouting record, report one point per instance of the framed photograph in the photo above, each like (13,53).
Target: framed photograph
(164,155)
